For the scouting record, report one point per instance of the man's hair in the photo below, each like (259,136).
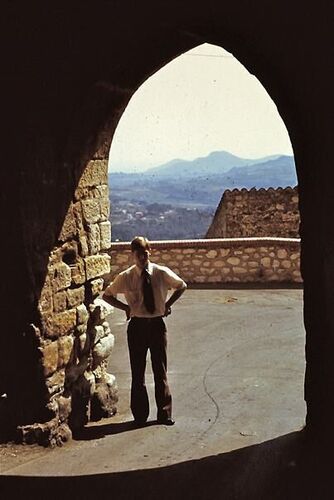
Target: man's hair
(140,243)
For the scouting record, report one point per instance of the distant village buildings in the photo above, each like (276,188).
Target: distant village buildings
(256,213)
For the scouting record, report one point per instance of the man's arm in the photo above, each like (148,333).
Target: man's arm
(173,298)
(117,303)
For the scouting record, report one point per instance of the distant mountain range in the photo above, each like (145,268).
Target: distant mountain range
(215,163)
(201,182)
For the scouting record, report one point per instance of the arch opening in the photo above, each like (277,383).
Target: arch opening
(221,256)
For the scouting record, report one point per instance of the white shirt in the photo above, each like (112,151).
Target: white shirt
(130,282)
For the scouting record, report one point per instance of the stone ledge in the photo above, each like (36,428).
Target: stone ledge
(214,243)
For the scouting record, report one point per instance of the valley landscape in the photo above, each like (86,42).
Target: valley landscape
(177,200)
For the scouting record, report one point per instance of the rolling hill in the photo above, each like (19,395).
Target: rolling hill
(217,162)
(201,182)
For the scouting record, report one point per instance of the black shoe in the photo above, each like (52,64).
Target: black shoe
(166,421)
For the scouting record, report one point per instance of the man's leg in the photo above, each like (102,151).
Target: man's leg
(158,348)
(137,343)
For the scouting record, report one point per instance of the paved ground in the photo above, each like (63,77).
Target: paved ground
(236,366)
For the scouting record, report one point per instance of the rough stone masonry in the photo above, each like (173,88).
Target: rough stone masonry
(218,261)
(256,213)
(73,337)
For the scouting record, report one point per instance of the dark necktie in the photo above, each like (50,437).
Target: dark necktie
(148,291)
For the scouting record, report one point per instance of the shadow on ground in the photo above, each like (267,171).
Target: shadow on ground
(285,468)
(100,431)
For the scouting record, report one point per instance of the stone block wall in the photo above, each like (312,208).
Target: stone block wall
(256,213)
(73,337)
(219,261)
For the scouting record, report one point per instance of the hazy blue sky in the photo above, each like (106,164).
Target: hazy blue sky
(203,101)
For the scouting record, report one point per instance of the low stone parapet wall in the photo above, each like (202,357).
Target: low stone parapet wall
(223,260)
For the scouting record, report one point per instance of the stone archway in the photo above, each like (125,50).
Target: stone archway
(79,79)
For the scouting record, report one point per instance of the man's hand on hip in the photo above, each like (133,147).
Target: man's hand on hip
(173,298)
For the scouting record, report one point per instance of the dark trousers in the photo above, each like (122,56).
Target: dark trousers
(144,334)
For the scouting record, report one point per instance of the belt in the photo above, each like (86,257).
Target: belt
(147,320)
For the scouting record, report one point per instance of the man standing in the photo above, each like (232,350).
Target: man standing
(145,286)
